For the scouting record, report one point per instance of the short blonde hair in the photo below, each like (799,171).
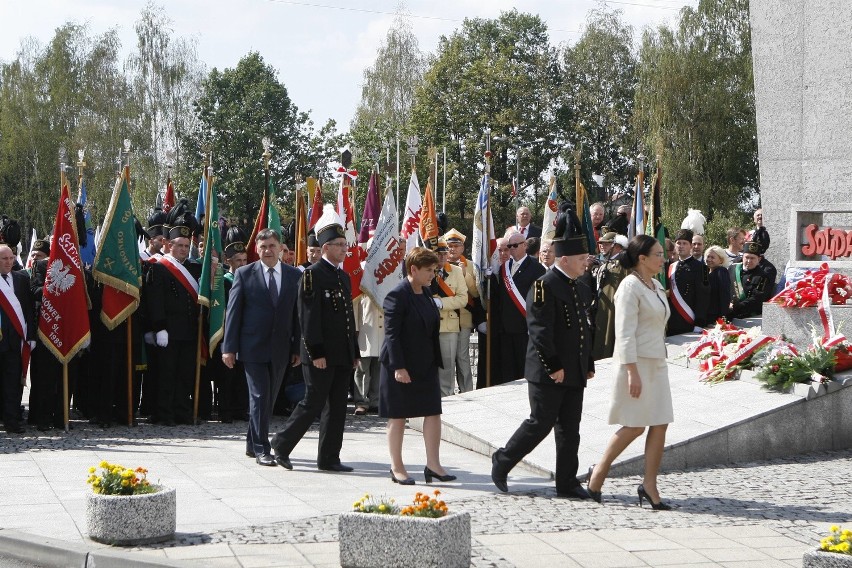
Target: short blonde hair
(420,257)
(720,252)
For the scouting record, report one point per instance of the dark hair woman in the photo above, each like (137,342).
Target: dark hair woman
(410,358)
(641,394)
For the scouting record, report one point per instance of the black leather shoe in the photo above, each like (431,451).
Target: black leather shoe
(338,467)
(497,476)
(284,462)
(429,474)
(265,459)
(578,492)
(406,481)
(250,453)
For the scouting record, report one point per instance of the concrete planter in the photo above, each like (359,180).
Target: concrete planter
(820,559)
(387,541)
(131,519)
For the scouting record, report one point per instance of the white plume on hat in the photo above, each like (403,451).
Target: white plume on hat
(621,240)
(329,217)
(694,221)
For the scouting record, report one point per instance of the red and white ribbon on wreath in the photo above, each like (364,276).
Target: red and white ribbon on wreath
(747,351)
(351,174)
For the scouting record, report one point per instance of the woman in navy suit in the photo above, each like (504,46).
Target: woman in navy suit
(410,358)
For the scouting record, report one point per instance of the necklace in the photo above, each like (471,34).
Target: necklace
(643,281)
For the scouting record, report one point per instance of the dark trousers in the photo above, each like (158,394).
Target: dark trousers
(264,381)
(512,351)
(551,406)
(176,381)
(46,395)
(148,404)
(10,385)
(326,391)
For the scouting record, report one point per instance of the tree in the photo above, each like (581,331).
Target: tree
(596,99)
(695,107)
(500,74)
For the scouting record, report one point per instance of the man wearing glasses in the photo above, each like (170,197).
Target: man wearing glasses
(514,280)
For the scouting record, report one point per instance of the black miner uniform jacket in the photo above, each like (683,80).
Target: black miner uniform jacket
(757,287)
(693,283)
(559,328)
(326,316)
(170,306)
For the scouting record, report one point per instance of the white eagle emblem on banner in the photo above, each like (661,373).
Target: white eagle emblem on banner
(58,278)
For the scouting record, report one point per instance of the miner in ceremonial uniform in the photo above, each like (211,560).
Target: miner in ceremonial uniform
(156,236)
(558,364)
(688,283)
(449,292)
(329,350)
(752,282)
(509,290)
(172,316)
(157,232)
(464,375)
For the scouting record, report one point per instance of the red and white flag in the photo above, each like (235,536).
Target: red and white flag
(346,212)
(383,268)
(411,217)
(63,322)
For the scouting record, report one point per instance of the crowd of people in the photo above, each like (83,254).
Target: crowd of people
(295,342)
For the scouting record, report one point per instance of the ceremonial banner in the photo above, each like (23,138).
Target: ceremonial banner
(383,268)
(87,251)
(117,264)
(371,210)
(637,215)
(261,222)
(201,202)
(63,323)
(33,239)
(655,223)
(169,199)
(211,288)
(352,262)
(315,187)
(273,220)
(301,228)
(484,250)
(583,212)
(551,207)
(411,216)
(429,220)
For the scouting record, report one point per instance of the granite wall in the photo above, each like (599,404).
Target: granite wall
(803,86)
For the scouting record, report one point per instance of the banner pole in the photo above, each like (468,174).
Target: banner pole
(129,370)
(65,397)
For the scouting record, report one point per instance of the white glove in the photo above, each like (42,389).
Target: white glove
(438,303)
(32,344)
(488,271)
(481,328)
(163,338)
(149,338)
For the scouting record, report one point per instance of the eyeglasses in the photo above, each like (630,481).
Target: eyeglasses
(516,245)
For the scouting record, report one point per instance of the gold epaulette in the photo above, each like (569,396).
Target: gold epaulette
(538,293)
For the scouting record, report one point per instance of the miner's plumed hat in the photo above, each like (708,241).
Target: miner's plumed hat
(41,245)
(752,247)
(10,232)
(328,226)
(156,222)
(569,239)
(235,241)
(181,223)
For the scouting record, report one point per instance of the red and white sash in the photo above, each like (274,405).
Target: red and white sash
(180,272)
(11,307)
(515,294)
(677,300)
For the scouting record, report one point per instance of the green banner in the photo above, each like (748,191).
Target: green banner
(211,288)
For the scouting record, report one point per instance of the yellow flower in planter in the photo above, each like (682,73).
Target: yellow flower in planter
(839,541)
(118,480)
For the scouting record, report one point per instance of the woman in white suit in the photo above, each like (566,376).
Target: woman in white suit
(641,395)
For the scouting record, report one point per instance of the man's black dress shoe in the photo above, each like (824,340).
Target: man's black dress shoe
(283,462)
(265,459)
(338,467)
(578,492)
(497,476)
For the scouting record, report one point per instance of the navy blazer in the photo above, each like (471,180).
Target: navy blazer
(406,344)
(255,330)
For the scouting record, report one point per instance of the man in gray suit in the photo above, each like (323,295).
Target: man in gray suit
(260,324)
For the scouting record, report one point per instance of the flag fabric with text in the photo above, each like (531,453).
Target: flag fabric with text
(551,208)
(484,252)
(429,219)
(117,264)
(370,216)
(63,323)
(211,287)
(87,253)
(383,267)
(352,262)
(411,216)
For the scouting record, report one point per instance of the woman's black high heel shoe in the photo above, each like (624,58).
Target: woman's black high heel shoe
(596,495)
(429,474)
(406,481)
(656,506)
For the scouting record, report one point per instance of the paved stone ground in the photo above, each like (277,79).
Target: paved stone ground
(756,514)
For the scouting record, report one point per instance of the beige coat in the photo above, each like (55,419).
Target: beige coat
(466,320)
(449,315)
(370,319)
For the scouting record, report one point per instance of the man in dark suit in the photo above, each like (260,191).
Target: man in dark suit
(329,350)
(524,224)
(688,283)
(558,364)
(752,282)
(18,328)
(262,330)
(509,291)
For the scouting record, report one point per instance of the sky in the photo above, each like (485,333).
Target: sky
(320,48)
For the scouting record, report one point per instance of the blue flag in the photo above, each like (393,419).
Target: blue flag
(87,253)
(201,205)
